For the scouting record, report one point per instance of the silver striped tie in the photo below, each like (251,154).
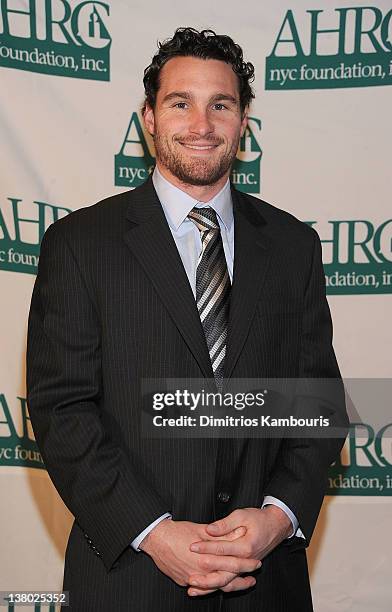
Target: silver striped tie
(212,288)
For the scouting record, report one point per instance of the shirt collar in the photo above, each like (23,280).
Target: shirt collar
(177,204)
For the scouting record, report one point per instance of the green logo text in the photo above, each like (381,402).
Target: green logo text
(22,226)
(51,37)
(347,47)
(17,443)
(357,256)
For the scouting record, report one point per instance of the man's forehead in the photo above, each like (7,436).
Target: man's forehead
(188,72)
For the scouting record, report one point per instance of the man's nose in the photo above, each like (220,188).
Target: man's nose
(201,122)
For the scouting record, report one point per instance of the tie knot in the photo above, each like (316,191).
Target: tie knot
(204,218)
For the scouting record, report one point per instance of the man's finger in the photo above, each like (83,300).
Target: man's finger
(236,565)
(236,548)
(213,580)
(193,591)
(225,525)
(232,535)
(239,584)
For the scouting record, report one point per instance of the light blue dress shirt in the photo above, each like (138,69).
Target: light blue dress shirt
(177,205)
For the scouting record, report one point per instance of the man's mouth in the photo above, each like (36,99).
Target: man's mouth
(199,147)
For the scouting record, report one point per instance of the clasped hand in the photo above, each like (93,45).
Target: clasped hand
(210,557)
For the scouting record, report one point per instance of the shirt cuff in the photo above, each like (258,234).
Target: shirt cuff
(135,543)
(270,500)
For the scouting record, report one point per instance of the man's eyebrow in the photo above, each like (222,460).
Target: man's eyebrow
(224,96)
(186,95)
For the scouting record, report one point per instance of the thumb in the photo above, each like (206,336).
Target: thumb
(239,532)
(223,526)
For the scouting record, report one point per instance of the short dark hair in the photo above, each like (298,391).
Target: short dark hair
(205,44)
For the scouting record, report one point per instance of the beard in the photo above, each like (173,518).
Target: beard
(193,170)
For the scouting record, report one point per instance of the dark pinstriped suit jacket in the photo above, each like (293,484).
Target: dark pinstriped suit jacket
(112,305)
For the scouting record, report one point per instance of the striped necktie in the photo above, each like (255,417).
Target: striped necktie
(212,288)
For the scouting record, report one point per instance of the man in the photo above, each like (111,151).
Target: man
(181,278)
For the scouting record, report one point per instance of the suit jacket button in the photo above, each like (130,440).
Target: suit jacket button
(223,496)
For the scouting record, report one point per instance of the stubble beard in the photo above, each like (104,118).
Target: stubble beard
(196,171)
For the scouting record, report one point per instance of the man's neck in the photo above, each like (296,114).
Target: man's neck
(201,193)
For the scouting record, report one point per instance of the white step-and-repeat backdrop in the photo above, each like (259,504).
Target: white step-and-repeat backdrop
(318,145)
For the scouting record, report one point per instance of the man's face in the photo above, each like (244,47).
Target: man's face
(197,120)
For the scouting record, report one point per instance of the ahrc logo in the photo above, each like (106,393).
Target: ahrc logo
(357,256)
(365,464)
(51,37)
(348,48)
(17,443)
(22,226)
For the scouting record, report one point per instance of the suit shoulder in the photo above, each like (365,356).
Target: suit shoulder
(105,213)
(280,219)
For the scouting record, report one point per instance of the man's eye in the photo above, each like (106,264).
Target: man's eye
(180,105)
(219,106)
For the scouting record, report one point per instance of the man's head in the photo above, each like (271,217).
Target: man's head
(197,94)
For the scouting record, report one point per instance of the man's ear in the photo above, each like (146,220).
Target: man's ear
(244,120)
(149,119)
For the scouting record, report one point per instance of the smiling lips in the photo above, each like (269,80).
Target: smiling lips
(199,147)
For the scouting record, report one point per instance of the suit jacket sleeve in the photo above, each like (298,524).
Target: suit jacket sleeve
(300,476)
(92,473)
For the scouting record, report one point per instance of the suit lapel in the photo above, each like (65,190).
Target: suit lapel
(150,240)
(251,259)
(152,243)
